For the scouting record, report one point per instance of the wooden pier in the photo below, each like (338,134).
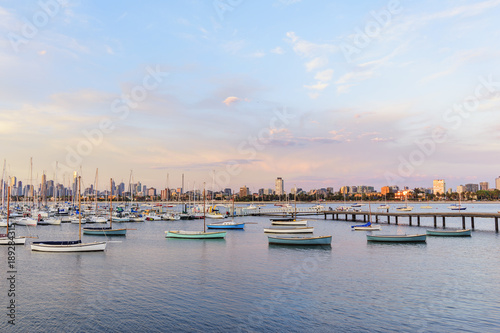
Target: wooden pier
(353,216)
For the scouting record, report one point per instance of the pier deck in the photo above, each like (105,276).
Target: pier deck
(336,215)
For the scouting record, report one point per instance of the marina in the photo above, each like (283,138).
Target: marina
(177,284)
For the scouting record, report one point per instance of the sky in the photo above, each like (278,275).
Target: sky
(235,92)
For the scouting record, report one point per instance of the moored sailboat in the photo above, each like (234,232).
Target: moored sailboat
(107,231)
(70,246)
(196,234)
(9,238)
(227,225)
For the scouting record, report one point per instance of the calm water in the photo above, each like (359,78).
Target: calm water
(145,282)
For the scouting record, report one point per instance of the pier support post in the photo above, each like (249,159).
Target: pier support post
(388,219)
(496,224)
(376,218)
(410,219)
(444,223)
(396,219)
(364,218)
(472,222)
(435,221)
(353,217)
(418,220)
(463,222)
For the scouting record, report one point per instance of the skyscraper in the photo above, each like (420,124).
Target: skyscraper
(497,183)
(438,186)
(483,186)
(279,186)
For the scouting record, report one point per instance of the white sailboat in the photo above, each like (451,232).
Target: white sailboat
(70,246)
(405,208)
(186,234)
(9,238)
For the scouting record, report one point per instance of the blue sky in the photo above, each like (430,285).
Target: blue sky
(321,93)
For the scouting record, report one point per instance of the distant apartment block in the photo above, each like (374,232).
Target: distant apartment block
(438,186)
(471,188)
(483,186)
(279,186)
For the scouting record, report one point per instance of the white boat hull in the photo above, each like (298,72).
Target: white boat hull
(26,221)
(297,230)
(81,247)
(16,241)
(214,216)
(299,222)
(370,228)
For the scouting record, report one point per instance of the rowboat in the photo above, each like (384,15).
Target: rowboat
(450,233)
(226,225)
(321,240)
(396,238)
(296,230)
(67,246)
(105,231)
(5,240)
(292,222)
(194,234)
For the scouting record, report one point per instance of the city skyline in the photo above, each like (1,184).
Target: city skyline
(438,186)
(323,94)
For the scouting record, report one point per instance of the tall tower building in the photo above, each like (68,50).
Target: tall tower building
(279,186)
(483,186)
(438,186)
(497,183)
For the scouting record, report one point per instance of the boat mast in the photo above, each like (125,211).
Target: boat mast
(31,182)
(79,209)
(8,209)
(95,189)
(3,186)
(110,202)
(204,210)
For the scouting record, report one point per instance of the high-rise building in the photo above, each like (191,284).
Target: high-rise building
(497,183)
(385,190)
(460,189)
(483,186)
(471,188)
(279,186)
(13,181)
(244,191)
(438,186)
